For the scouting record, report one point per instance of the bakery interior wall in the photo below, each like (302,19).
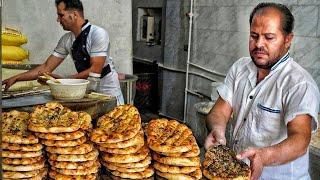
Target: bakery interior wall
(37,20)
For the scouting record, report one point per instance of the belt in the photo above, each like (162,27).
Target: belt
(106,70)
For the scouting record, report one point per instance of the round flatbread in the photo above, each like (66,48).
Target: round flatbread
(58,176)
(127,158)
(120,124)
(169,136)
(136,175)
(74,157)
(53,118)
(139,164)
(194,152)
(137,139)
(81,149)
(72,165)
(85,120)
(174,169)
(112,167)
(176,161)
(22,161)
(67,143)
(18,139)
(29,167)
(127,150)
(21,175)
(79,172)
(61,136)
(19,147)
(21,154)
(197,174)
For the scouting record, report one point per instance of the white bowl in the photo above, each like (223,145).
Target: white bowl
(68,89)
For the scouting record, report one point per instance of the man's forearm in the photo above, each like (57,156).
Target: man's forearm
(217,120)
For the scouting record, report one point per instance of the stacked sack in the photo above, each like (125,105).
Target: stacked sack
(12,53)
(63,132)
(176,152)
(121,141)
(22,155)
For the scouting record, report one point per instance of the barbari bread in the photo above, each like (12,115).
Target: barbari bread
(72,165)
(127,150)
(136,175)
(23,175)
(194,152)
(193,175)
(139,164)
(86,171)
(22,161)
(21,154)
(81,149)
(53,118)
(74,157)
(15,128)
(67,143)
(120,124)
(127,158)
(176,161)
(29,167)
(58,176)
(21,147)
(174,169)
(137,139)
(61,136)
(221,164)
(169,136)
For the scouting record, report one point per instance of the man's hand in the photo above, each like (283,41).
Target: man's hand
(215,137)
(256,156)
(9,82)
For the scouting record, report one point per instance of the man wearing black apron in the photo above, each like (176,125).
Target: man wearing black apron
(87,44)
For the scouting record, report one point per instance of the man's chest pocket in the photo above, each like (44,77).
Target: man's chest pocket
(268,119)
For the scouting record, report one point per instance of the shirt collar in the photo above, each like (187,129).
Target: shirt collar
(281,61)
(85,25)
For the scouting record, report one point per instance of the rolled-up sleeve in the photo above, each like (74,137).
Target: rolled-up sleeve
(303,98)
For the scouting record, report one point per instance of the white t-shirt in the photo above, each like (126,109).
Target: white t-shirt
(97,45)
(261,112)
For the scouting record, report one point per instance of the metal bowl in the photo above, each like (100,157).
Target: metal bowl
(68,89)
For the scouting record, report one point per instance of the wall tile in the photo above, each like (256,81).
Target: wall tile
(306,18)
(309,2)
(205,17)
(318,30)
(286,2)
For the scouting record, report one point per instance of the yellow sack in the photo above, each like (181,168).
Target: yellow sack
(11,62)
(13,53)
(12,37)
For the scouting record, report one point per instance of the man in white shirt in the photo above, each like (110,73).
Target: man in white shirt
(273,100)
(88,45)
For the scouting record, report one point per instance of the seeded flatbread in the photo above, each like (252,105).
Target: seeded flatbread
(120,124)
(81,149)
(41,176)
(85,121)
(22,161)
(176,161)
(29,167)
(72,165)
(195,151)
(139,164)
(191,176)
(21,175)
(137,175)
(61,136)
(169,136)
(67,143)
(221,163)
(20,147)
(74,157)
(127,150)
(127,158)
(174,169)
(112,167)
(53,118)
(58,176)
(88,170)
(137,139)
(21,154)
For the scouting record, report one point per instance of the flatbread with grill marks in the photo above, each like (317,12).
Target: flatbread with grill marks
(193,175)
(169,136)
(174,169)
(127,158)
(194,152)
(127,150)
(137,139)
(221,163)
(53,118)
(120,124)
(61,136)
(15,128)
(112,167)
(81,149)
(67,143)
(176,161)
(22,161)
(139,164)
(21,147)
(136,175)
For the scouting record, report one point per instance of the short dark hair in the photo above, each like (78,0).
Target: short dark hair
(287,19)
(71,5)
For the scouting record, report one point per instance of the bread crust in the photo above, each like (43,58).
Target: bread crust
(112,167)
(21,175)
(176,161)
(139,164)
(28,167)
(72,165)
(174,169)
(61,136)
(79,172)
(193,175)
(127,150)
(136,175)
(80,149)
(58,176)
(137,139)
(74,157)
(22,161)
(67,143)
(127,158)
(21,154)
(20,147)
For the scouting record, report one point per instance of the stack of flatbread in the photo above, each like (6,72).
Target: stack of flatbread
(22,155)
(221,163)
(176,152)
(121,140)
(64,133)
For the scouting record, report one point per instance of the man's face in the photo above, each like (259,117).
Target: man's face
(267,42)
(65,18)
